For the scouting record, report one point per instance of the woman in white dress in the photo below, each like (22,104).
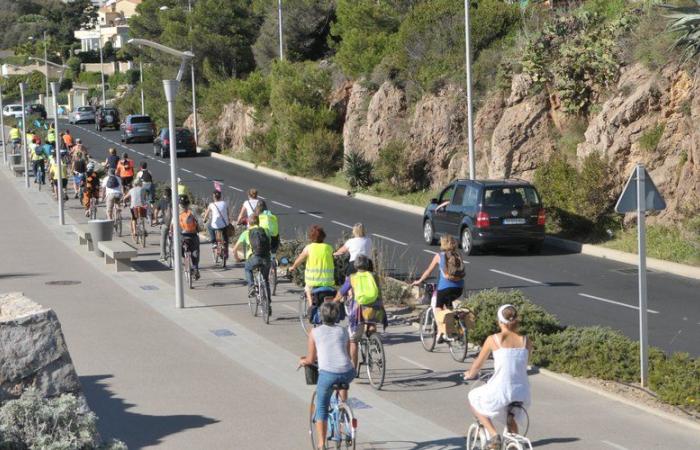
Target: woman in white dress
(509,383)
(358,245)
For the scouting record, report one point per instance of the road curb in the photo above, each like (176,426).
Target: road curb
(620,399)
(572,246)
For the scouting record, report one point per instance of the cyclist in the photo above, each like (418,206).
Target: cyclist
(450,280)
(67,140)
(112,191)
(78,147)
(364,303)
(91,187)
(509,383)
(164,207)
(190,239)
(218,211)
(137,205)
(146,177)
(182,189)
(53,176)
(79,169)
(15,137)
(257,245)
(359,244)
(112,159)
(38,158)
(248,207)
(125,171)
(320,267)
(329,344)
(51,135)
(269,223)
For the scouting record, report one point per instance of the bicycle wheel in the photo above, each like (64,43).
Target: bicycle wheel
(522,419)
(142,232)
(361,352)
(376,361)
(273,276)
(428,329)
(514,445)
(312,422)
(303,313)
(188,268)
(476,437)
(253,301)
(264,303)
(459,346)
(169,249)
(346,432)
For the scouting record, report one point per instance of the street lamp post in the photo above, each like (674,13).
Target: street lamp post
(171,87)
(194,93)
(279,26)
(22,88)
(102,68)
(143,104)
(46,70)
(470,122)
(2,129)
(57,155)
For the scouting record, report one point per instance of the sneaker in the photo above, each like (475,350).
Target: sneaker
(441,339)
(196,274)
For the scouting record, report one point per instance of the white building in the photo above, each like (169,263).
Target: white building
(112,18)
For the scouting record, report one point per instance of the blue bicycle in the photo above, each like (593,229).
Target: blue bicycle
(342,424)
(39,178)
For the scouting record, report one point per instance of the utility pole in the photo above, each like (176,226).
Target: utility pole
(279,23)
(102,68)
(57,155)
(46,70)
(470,121)
(194,87)
(25,155)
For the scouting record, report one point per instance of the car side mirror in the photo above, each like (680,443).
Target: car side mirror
(433,201)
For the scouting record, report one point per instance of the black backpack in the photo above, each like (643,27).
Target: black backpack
(112,182)
(146,176)
(259,242)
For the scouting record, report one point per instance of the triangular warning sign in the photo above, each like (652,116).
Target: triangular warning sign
(628,200)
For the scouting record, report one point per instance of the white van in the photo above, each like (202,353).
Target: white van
(12,111)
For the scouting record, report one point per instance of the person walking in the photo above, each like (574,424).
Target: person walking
(164,208)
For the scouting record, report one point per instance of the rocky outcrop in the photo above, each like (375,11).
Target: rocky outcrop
(33,351)
(235,123)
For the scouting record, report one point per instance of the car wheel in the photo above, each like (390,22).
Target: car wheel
(428,233)
(535,249)
(467,242)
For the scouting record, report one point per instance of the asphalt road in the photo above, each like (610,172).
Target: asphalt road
(578,289)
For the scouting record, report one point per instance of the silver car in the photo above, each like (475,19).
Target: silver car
(84,114)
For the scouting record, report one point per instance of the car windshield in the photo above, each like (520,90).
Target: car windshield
(16,108)
(511,196)
(140,119)
(181,132)
(85,109)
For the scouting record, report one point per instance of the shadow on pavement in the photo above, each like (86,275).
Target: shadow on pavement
(562,440)
(439,444)
(136,430)
(18,275)
(433,381)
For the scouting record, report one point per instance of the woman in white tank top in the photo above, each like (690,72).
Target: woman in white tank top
(248,207)
(509,383)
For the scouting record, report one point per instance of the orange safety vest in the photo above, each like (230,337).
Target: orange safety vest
(188,223)
(68,140)
(125,170)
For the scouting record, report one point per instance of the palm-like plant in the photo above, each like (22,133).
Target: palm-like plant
(685,20)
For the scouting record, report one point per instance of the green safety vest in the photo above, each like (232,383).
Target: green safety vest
(182,190)
(51,137)
(37,153)
(14,133)
(269,222)
(319,266)
(364,288)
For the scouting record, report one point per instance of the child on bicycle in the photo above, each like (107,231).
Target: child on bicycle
(509,383)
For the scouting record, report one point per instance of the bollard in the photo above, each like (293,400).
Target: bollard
(100,230)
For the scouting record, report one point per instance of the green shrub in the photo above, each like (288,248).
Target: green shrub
(57,423)
(669,243)
(650,138)
(676,379)
(534,320)
(392,167)
(91,78)
(358,171)
(318,153)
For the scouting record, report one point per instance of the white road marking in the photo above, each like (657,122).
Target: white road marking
(465,261)
(315,215)
(518,277)
(412,362)
(158,160)
(186,170)
(341,224)
(600,299)
(389,239)
(430,251)
(200,176)
(281,204)
(235,188)
(614,445)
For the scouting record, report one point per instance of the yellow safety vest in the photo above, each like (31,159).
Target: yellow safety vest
(14,134)
(36,154)
(319,266)
(364,288)
(182,190)
(269,222)
(51,137)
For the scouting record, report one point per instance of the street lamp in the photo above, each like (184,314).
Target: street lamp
(57,155)
(143,104)
(170,87)
(2,129)
(279,26)
(22,88)
(102,68)
(470,123)
(48,63)
(46,69)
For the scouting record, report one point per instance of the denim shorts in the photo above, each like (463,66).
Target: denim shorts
(324,390)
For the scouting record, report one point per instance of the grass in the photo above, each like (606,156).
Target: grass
(418,198)
(663,242)
(650,139)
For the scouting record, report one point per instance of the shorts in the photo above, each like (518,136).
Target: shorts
(110,200)
(78,178)
(138,211)
(126,181)
(445,297)
(320,293)
(64,182)
(274,243)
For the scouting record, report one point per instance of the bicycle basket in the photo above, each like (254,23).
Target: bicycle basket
(311,373)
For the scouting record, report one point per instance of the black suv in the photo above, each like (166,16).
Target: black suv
(107,118)
(485,213)
(36,109)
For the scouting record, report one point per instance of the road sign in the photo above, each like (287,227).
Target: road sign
(628,200)
(641,195)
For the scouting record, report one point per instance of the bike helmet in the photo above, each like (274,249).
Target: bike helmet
(90,166)
(184,200)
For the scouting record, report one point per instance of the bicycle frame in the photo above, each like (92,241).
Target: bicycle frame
(335,427)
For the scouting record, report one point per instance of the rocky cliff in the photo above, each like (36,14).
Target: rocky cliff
(517,131)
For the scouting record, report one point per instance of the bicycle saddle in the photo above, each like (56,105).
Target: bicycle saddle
(341,386)
(515,405)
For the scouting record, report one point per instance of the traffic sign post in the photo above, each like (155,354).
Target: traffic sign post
(640,194)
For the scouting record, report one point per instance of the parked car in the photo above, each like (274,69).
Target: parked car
(83,114)
(487,213)
(106,118)
(35,109)
(185,144)
(137,127)
(12,111)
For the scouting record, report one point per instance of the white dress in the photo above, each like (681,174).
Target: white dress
(508,384)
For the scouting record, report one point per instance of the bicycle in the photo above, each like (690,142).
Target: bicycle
(92,211)
(220,249)
(370,353)
(457,341)
(477,436)
(342,424)
(117,217)
(141,232)
(309,321)
(273,274)
(260,302)
(186,263)
(39,175)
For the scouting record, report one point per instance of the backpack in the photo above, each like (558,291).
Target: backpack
(188,223)
(259,242)
(146,176)
(112,182)
(364,288)
(454,266)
